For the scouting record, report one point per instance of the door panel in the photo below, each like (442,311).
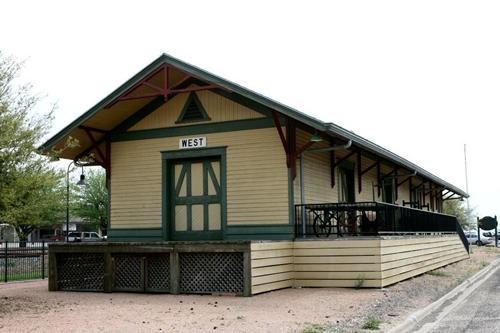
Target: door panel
(214,217)
(196,199)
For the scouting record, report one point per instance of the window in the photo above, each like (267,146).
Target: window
(346,184)
(388,188)
(193,111)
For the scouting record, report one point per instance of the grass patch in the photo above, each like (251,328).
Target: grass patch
(371,324)
(360,281)
(438,273)
(315,328)
(23,276)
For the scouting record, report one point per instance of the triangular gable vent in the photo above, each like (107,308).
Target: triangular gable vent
(193,111)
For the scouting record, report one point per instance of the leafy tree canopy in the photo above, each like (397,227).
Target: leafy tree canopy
(457,208)
(93,204)
(30,189)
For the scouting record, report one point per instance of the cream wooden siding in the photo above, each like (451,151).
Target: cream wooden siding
(271,265)
(337,263)
(317,184)
(257,179)
(350,262)
(403,192)
(368,180)
(405,258)
(217,107)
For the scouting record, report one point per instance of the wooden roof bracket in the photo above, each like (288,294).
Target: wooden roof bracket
(165,90)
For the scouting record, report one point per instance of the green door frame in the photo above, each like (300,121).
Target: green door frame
(168,157)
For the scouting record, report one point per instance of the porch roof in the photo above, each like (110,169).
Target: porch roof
(93,127)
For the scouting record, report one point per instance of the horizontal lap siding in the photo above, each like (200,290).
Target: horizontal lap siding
(257,179)
(317,174)
(217,107)
(337,263)
(402,260)
(347,262)
(272,266)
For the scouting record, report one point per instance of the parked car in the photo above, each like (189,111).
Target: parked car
(491,234)
(57,239)
(473,239)
(84,236)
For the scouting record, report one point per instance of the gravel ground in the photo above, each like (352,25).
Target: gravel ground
(29,307)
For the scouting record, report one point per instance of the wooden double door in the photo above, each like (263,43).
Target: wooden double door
(196,196)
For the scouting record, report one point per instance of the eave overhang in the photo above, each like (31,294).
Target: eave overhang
(232,88)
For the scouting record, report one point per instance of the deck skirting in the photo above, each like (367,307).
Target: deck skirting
(248,267)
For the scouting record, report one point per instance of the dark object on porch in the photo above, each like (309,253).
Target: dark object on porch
(171,267)
(371,218)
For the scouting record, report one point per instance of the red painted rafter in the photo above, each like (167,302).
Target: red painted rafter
(98,130)
(277,124)
(165,90)
(198,88)
(99,151)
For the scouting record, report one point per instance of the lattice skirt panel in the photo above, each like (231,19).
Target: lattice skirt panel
(158,273)
(211,272)
(128,273)
(142,273)
(80,271)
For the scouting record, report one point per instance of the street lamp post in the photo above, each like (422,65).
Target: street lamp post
(81,182)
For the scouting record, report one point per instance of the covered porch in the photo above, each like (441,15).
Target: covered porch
(341,220)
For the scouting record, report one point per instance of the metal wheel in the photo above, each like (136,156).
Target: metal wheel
(322,225)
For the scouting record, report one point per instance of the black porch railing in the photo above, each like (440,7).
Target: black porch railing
(370,218)
(23,261)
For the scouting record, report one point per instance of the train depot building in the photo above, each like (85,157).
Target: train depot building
(217,189)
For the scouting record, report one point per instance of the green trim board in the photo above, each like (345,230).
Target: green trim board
(225,126)
(139,115)
(239,232)
(168,159)
(260,232)
(291,199)
(192,111)
(134,234)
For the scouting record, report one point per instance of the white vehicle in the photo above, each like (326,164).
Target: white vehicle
(84,236)
(472,238)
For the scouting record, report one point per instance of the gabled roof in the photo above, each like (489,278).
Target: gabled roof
(326,127)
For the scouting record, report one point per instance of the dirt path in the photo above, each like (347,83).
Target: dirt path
(29,307)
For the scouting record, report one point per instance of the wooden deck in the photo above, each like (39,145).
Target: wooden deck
(248,267)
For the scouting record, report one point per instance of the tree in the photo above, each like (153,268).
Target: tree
(30,189)
(93,204)
(457,208)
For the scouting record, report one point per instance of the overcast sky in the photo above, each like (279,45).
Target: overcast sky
(421,78)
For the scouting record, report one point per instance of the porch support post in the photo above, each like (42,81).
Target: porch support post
(108,164)
(358,162)
(379,177)
(332,165)
(411,189)
(395,183)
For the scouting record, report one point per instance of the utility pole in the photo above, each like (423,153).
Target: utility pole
(466,176)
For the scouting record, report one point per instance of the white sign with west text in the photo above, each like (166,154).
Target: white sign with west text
(190,143)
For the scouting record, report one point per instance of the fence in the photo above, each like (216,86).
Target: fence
(23,261)
(371,218)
